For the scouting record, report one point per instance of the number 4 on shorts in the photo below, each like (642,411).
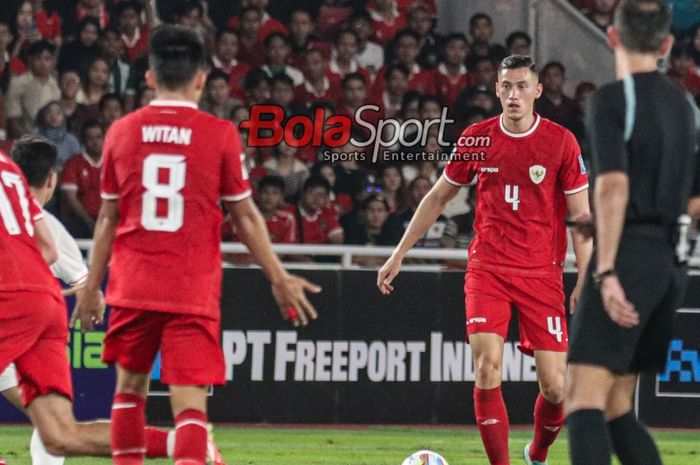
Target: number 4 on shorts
(554,327)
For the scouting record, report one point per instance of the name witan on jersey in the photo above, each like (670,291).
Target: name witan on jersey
(166,135)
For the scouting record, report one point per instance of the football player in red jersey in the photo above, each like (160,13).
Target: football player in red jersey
(530,174)
(165,170)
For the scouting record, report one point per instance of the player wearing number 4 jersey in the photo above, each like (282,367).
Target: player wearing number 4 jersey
(165,170)
(529,174)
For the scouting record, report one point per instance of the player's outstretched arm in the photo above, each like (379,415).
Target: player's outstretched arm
(89,308)
(289,290)
(47,246)
(428,211)
(578,207)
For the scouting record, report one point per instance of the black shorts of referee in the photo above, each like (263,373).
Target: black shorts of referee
(654,282)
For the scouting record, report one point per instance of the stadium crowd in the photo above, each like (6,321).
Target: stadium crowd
(69,69)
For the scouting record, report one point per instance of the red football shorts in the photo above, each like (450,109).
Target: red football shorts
(34,335)
(189,346)
(539,302)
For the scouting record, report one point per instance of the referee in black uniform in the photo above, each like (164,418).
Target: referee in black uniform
(643,150)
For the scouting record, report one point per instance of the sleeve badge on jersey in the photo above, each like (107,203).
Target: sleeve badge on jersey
(581,164)
(537,173)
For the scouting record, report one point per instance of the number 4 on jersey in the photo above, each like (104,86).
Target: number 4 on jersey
(512,196)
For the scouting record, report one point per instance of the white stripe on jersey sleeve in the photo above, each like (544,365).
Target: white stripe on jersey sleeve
(236,198)
(576,190)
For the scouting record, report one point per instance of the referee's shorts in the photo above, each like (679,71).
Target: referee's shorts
(654,283)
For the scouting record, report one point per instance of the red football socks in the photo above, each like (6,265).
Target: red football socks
(549,419)
(190,438)
(492,420)
(127,428)
(156,442)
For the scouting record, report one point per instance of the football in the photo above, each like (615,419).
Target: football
(425,457)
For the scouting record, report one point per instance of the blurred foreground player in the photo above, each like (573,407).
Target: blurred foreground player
(529,175)
(165,169)
(643,145)
(36,157)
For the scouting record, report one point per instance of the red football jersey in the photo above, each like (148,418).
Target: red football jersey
(82,175)
(316,228)
(22,267)
(169,165)
(522,183)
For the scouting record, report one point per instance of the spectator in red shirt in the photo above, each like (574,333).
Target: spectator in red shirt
(344,57)
(80,183)
(251,47)
(682,69)
(406,53)
(276,54)
(48,22)
(354,87)
(389,100)
(518,43)
(133,34)
(302,37)
(225,59)
(9,65)
(281,224)
(282,94)
(93,8)
(481,31)
(317,220)
(268,24)
(216,98)
(317,86)
(386,20)
(452,76)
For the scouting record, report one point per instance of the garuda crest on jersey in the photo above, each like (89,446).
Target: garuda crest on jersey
(537,173)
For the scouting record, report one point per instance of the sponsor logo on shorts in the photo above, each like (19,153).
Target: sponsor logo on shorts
(476,319)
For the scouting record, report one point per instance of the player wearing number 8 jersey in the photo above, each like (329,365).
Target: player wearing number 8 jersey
(166,168)
(529,174)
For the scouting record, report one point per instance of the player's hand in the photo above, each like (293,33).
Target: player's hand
(620,310)
(583,224)
(387,273)
(290,295)
(89,309)
(575,296)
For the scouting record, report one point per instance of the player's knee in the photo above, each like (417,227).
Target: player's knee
(487,372)
(55,441)
(553,390)
(617,406)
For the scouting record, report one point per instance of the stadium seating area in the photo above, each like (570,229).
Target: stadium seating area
(69,68)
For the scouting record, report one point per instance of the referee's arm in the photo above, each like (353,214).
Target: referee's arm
(606,125)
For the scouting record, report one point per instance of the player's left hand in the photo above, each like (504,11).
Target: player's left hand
(89,309)
(620,310)
(575,296)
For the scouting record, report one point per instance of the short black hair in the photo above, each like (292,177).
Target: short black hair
(406,33)
(227,30)
(518,61)
(400,67)
(176,55)
(454,36)
(271,181)
(343,32)
(316,181)
(643,25)
(374,198)
(303,10)
(255,77)
(128,5)
(39,47)
(352,77)
(36,156)
(275,35)
(109,97)
(90,124)
(216,75)
(189,5)
(515,35)
(478,17)
(247,10)
(554,64)
(283,78)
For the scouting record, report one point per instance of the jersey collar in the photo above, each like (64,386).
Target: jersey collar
(173,103)
(519,135)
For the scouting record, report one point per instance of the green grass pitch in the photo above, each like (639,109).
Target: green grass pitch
(371,445)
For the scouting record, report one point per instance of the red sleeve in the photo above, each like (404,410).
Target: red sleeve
(460,170)
(69,176)
(109,188)
(572,173)
(332,221)
(235,185)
